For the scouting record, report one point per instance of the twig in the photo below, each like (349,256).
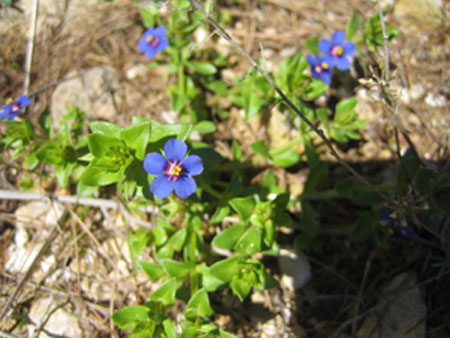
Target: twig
(30,48)
(94,239)
(288,102)
(93,202)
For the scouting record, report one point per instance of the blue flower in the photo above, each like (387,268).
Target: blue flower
(174,170)
(154,40)
(395,226)
(321,67)
(337,50)
(12,108)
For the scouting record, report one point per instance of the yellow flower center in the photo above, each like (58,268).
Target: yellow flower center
(175,170)
(8,101)
(324,65)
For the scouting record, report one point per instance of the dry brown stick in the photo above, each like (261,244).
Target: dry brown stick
(91,235)
(283,96)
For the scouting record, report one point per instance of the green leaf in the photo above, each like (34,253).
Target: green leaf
(357,191)
(318,175)
(344,106)
(220,213)
(250,242)
(352,26)
(198,306)
(203,67)
(228,238)
(205,127)
(177,240)
(225,269)
(161,131)
(286,159)
(159,235)
(260,148)
(252,104)
(51,153)
(63,173)
(101,171)
(166,292)
(138,241)
(218,87)
(136,137)
(314,89)
(153,270)
(209,282)
(362,228)
(244,206)
(104,145)
(311,225)
(169,328)
(322,114)
(176,269)
(242,286)
(129,316)
(312,45)
(105,128)
(149,15)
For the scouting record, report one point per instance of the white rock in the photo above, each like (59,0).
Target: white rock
(60,323)
(401,311)
(295,268)
(20,258)
(416,91)
(95,91)
(436,101)
(136,71)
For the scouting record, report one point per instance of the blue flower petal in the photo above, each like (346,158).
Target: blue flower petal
(163,43)
(184,186)
(149,32)
(159,32)
(161,186)
(151,52)
(342,63)
(325,46)
(326,77)
(338,38)
(24,101)
(3,115)
(155,163)
(175,150)
(349,48)
(384,214)
(7,108)
(12,116)
(311,60)
(193,165)
(143,45)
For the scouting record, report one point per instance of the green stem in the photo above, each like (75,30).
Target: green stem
(181,79)
(211,191)
(193,259)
